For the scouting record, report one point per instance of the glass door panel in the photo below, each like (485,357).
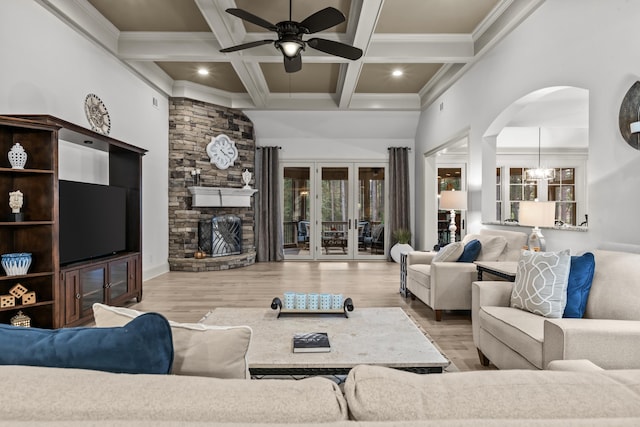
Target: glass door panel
(370,211)
(335,223)
(450,177)
(334,210)
(297,212)
(118,279)
(92,281)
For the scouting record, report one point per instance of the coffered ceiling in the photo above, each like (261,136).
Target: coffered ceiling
(433,42)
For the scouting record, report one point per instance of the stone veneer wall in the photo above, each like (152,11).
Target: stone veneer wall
(192,124)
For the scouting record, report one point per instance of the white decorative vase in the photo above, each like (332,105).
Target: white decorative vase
(246,178)
(397,249)
(17,156)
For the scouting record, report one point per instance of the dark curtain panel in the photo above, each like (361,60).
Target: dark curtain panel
(399,214)
(269,238)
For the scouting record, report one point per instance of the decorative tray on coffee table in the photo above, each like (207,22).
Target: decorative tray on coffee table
(347,306)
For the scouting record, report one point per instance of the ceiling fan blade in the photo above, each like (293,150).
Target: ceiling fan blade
(323,19)
(245,46)
(335,48)
(292,65)
(250,17)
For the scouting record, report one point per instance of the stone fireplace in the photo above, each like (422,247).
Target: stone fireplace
(192,125)
(220,236)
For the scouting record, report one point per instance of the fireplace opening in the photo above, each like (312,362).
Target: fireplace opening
(220,236)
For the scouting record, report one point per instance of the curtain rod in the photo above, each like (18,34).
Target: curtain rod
(259,147)
(408,148)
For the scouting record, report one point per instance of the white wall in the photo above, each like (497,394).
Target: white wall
(583,43)
(48,68)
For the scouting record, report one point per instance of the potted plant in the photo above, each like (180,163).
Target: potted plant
(402,236)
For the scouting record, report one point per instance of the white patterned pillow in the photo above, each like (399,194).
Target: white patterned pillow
(449,253)
(541,283)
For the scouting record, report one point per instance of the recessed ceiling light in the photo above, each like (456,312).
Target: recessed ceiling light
(397,73)
(203,71)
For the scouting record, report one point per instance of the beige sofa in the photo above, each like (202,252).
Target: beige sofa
(576,393)
(447,285)
(608,335)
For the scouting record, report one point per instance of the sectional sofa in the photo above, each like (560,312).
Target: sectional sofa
(575,393)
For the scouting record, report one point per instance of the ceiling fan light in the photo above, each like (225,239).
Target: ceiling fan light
(290,48)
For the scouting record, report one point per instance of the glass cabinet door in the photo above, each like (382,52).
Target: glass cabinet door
(92,281)
(118,278)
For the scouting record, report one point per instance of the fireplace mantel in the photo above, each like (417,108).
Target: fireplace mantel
(221,196)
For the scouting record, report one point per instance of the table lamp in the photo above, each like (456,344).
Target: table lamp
(452,201)
(537,214)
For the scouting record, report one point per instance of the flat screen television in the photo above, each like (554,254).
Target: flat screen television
(92,220)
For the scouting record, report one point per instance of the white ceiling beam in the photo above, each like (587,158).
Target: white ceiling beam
(174,46)
(186,89)
(416,48)
(229,31)
(369,12)
(84,18)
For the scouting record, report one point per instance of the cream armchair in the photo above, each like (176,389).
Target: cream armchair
(608,334)
(447,285)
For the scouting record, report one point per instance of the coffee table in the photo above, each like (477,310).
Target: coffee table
(373,336)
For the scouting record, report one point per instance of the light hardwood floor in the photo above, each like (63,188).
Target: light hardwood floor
(186,297)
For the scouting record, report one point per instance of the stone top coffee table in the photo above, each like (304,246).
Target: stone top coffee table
(374,336)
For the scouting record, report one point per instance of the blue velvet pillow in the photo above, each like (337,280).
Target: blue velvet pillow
(471,251)
(142,346)
(580,277)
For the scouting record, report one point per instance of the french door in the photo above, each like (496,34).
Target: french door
(451,177)
(334,210)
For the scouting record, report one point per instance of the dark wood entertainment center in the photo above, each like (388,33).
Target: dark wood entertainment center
(64,294)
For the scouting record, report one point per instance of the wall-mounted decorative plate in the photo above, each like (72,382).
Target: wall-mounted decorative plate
(97,114)
(222,151)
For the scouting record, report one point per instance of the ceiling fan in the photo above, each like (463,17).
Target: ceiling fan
(290,34)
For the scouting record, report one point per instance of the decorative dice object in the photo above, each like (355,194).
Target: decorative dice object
(18,290)
(29,298)
(7,301)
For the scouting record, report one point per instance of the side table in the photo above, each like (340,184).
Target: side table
(505,270)
(403,274)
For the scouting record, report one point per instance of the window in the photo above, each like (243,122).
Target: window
(519,190)
(563,190)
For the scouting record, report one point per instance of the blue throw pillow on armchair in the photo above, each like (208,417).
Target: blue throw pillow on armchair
(471,251)
(580,278)
(142,346)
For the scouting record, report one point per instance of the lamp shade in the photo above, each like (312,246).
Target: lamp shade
(537,214)
(456,200)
